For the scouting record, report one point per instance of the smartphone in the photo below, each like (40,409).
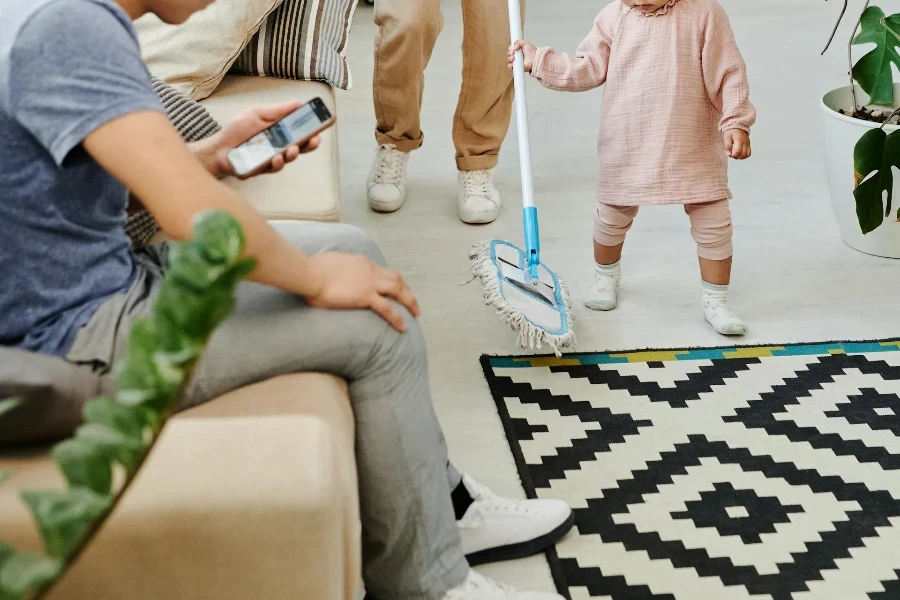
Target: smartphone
(294,130)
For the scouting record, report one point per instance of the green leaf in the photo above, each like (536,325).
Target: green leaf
(141,383)
(9,404)
(4,476)
(5,552)
(197,314)
(84,464)
(220,235)
(23,573)
(142,342)
(189,266)
(239,271)
(65,518)
(129,420)
(115,445)
(873,71)
(873,157)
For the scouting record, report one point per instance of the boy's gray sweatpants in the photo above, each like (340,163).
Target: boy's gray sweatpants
(411,546)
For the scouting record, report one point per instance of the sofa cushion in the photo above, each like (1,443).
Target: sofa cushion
(52,391)
(307,189)
(302,39)
(189,117)
(194,123)
(194,57)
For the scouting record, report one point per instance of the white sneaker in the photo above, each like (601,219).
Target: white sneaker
(478,587)
(495,528)
(478,198)
(386,186)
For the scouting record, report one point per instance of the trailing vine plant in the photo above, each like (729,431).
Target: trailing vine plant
(196,294)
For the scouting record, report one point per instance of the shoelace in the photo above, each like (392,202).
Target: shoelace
(487,500)
(477,183)
(390,166)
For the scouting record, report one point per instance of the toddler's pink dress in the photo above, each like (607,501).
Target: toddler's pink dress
(675,81)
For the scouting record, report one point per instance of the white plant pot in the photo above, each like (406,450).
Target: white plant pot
(841,134)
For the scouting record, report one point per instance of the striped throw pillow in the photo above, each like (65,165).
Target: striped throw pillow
(194,123)
(302,39)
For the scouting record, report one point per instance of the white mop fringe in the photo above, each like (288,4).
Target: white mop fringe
(531,337)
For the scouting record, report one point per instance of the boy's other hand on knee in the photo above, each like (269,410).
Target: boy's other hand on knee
(352,281)
(737,144)
(528,51)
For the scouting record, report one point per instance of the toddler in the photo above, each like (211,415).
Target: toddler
(676,91)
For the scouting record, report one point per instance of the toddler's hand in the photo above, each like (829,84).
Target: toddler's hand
(528,50)
(737,144)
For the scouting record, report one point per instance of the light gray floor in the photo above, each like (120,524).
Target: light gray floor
(794,279)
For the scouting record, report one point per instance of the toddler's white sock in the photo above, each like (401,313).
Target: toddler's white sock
(717,312)
(605,289)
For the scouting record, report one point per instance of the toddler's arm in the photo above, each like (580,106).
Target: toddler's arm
(586,70)
(725,73)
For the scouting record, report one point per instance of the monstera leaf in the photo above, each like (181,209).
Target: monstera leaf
(875,154)
(873,71)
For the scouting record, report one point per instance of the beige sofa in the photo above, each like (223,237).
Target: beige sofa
(250,496)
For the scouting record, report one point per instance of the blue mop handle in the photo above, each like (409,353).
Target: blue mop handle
(529,212)
(532,241)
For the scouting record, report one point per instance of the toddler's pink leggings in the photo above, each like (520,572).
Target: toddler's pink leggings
(710,226)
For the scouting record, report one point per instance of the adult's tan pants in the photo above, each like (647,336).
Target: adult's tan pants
(407,32)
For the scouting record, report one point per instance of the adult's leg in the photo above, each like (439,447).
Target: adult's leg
(411,545)
(485,102)
(407,32)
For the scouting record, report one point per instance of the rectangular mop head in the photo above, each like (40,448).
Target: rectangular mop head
(539,309)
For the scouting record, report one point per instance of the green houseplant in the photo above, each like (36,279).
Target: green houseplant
(197,293)
(862,118)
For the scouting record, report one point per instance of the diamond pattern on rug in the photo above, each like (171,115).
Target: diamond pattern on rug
(731,473)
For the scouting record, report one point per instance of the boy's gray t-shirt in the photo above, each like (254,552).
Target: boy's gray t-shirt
(67,67)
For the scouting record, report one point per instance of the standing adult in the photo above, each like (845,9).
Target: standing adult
(407,32)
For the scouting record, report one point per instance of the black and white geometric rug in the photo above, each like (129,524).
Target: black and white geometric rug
(715,474)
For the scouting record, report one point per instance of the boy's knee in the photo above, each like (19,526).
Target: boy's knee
(401,353)
(316,238)
(351,239)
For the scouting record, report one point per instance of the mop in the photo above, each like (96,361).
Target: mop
(528,296)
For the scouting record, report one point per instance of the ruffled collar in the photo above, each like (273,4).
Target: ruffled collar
(662,10)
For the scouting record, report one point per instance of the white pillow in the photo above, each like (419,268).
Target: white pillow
(194,57)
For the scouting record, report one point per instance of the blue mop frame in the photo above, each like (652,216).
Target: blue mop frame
(526,265)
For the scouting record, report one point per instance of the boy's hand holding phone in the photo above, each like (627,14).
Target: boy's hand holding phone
(245,126)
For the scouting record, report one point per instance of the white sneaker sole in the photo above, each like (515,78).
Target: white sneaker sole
(386,207)
(524,549)
(479,218)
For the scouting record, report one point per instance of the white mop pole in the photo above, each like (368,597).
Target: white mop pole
(529,211)
(515,30)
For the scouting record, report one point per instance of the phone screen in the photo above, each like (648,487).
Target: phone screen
(294,128)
